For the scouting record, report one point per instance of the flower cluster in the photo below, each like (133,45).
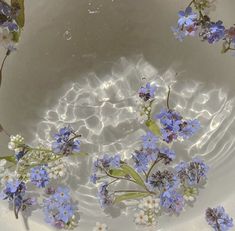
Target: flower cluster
(149,208)
(165,190)
(15,191)
(174,126)
(192,173)
(218,219)
(37,166)
(66,142)
(59,210)
(199,23)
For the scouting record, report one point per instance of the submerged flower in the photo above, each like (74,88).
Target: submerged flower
(100,227)
(218,219)
(141,161)
(149,141)
(66,142)
(39,177)
(58,208)
(172,201)
(167,154)
(193,172)
(163,180)
(173,125)
(105,198)
(147,92)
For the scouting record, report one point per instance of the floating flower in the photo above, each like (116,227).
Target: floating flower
(100,227)
(218,219)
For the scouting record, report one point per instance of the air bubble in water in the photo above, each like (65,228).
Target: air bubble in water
(67,35)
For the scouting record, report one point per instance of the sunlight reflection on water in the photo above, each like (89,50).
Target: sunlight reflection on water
(103,109)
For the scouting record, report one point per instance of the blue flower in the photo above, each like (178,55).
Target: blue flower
(65,213)
(58,208)
(147,92)
(39,177)
(218,219)
(141,162)
(167,154)
(66,142)
(105,198)
(149,141)
(115,161)
(172,201)
(193,172)
(189,128)
(213,32)
(11,26)
(187,17)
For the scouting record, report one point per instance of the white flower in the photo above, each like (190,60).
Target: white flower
(15,142)
(6,176)
(56,169)
(150,203)
(2,166)
(141,218)
(100,227)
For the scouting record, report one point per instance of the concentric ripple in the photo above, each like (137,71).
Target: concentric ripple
(104,111)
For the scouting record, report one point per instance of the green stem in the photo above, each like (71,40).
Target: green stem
(129,191)
(168,97)
(151,168)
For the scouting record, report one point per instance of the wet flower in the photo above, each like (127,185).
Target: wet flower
(218,219)
(100,227)
(147,92)
(141,218)
(39,177)
(105,198)
(66,142)
(149,141)
(172,201)
(187,17)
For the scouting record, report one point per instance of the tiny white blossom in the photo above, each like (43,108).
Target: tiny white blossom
(15,142)
(141,218)
(100,227)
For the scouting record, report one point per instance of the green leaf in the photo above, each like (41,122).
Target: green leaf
(8,158)
(130,195)
(16,36)
(153,127)
(20,18)
(117,172)
(130,171)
